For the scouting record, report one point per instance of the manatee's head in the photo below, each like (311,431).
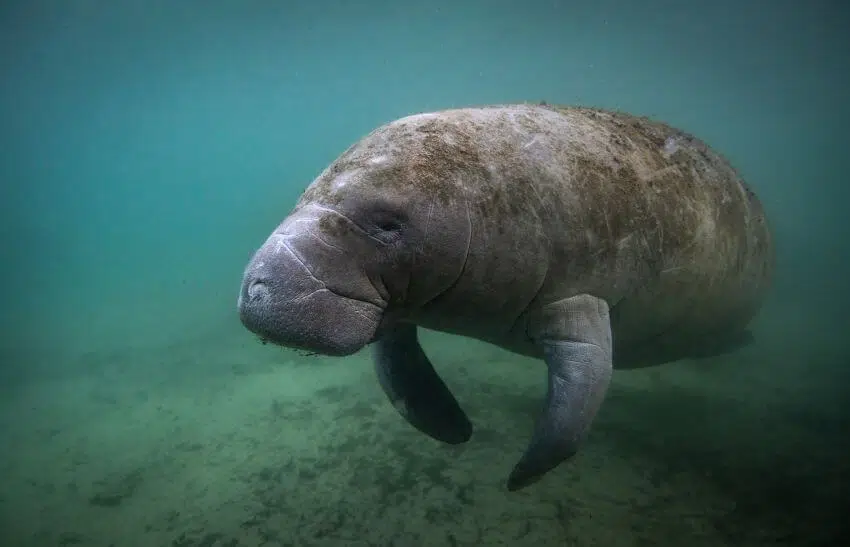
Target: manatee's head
(383,229)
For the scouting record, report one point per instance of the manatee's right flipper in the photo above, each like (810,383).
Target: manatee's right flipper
(415,389)
(576,337)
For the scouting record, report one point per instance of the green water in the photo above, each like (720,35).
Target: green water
(149,147)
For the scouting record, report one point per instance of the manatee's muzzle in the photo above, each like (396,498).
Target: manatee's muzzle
(283,302)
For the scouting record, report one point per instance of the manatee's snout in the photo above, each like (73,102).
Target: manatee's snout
(296,295)
(254,291)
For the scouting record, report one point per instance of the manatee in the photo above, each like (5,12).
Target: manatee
(587,238)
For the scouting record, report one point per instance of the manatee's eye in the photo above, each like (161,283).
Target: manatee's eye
(388,225)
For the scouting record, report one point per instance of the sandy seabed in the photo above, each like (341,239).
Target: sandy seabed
(219,441)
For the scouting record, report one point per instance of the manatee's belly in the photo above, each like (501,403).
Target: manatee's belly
(506,334)
(681,318)
(674,317)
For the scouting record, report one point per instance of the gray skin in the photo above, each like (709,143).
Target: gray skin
(587,238)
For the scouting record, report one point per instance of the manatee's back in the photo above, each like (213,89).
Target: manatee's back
(678,243)
(569,200)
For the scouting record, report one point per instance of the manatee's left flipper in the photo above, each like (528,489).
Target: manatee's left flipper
(415,389)
(576,337)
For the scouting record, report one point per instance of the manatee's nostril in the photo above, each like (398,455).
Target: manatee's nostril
(258,290)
